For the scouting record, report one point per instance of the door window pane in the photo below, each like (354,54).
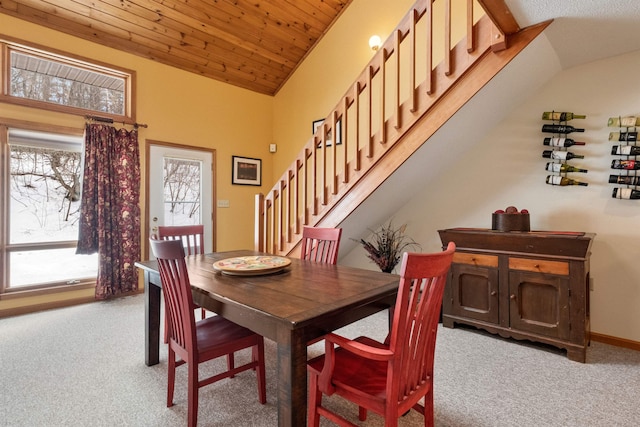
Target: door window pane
(182,191)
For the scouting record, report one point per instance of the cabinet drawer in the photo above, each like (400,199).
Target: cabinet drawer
(539,266)
(476,259)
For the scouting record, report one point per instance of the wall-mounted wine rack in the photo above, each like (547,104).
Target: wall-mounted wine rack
(559,145)
(626,164)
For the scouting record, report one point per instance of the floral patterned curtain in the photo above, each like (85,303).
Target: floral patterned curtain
(110,210)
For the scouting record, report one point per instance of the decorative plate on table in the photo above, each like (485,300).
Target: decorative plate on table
(251,265)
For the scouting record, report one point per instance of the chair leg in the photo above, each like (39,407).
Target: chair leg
(231,363)
(315,400)
(171,377)
(428,410)
(204,313)
(192,399)
(166,329)
(258,356)
(362,413)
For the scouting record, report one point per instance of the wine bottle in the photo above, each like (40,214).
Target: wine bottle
(561,116)
(625,193)
(563,180)
(623,136)
(625,164)
(560,155)
(560,129)
(561,142)
(623,121)
(624,179)
(563,168)
(626,150)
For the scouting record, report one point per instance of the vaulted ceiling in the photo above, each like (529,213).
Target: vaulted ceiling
(253,44)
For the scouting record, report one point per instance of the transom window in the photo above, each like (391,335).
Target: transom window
(35,77)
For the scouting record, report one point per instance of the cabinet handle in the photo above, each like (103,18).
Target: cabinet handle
(494,293)
(513,297)
(537,266)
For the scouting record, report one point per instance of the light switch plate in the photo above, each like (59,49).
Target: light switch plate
(272,148)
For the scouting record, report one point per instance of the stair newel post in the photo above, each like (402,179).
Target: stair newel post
(259,223)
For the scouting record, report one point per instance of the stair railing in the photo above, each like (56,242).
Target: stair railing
(397,87)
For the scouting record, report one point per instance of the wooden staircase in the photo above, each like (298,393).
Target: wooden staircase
(393,108)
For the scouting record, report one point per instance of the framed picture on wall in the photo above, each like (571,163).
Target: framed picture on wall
(246,171)
(329,141)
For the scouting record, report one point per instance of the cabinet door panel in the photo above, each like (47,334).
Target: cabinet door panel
(539,304)
(475,292)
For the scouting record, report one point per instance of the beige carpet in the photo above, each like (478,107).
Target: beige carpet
(84,366)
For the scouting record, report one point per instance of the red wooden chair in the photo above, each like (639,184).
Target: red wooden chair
(197,342)
(321,244)
(388,378)
(192,238)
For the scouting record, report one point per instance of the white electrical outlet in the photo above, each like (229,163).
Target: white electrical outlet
(272,148)
(223,203)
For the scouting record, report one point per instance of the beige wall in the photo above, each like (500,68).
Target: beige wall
(505,168)
(178,107)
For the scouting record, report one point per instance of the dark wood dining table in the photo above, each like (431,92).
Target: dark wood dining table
(291,307)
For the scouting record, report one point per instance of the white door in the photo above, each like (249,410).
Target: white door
(181,189)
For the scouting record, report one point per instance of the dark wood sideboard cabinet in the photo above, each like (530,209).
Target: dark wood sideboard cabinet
(523,285)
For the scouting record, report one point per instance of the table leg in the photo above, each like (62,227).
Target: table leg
(292,381)
(151,321)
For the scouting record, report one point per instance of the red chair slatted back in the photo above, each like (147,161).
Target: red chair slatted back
(415,323)
(321,244)
(176,290)
(191,236)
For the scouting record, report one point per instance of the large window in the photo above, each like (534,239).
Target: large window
(42,187)
(35,77)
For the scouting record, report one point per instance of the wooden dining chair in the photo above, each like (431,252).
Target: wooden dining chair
(321,244)
(192,238)
(197,342)
(388,378)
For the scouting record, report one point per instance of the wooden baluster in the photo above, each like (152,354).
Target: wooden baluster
(470,38)
(314,177)
(280,227)
(369,112)
(334,154)
(412,63)
(296,200)
(356,101)
(447,38)
(345,142)
(323,153)
(429,45)
(287,204)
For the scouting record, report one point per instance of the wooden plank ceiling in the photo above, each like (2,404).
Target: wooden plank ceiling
(253,44)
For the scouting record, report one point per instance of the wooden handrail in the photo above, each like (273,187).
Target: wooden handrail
(396,88)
